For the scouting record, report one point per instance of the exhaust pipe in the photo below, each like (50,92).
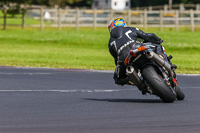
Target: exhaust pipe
(161,62)
(133,76)
(158,60)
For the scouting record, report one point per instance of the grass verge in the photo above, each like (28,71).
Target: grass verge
(86,48)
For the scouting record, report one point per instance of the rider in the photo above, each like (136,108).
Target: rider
(122,40)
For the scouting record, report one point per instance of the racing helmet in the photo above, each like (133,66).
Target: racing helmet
(116,22)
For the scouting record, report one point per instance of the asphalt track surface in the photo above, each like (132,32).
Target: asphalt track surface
(37,100)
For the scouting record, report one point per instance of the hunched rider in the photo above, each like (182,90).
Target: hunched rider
(122,40)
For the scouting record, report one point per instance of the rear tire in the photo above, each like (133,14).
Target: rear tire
(158,84)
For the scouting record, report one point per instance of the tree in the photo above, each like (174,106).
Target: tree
(88,3)
(62,3)
(80,3)
(73,1)
(6,2)
(14,8)
(140,3)
(40,2)
(190,1)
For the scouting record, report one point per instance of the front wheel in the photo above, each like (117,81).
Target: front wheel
(158,84)
(180,94)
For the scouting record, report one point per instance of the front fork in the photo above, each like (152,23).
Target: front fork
(172,83)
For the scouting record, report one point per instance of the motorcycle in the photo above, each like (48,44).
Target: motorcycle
(152,74)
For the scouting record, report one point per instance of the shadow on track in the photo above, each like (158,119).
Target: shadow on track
(127,100)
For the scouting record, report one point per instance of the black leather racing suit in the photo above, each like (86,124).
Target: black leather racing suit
(122,40)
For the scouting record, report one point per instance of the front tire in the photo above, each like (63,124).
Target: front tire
(179,93)
(158,84)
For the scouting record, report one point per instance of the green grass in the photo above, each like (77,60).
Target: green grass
(66,49)
(86,48)
(185,48)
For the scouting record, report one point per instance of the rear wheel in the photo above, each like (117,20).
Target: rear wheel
(158,84)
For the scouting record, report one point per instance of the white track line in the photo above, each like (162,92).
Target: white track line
(36,73)
(69,91)
(86,90)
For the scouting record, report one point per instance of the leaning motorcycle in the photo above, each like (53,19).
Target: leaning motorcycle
(152,74)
